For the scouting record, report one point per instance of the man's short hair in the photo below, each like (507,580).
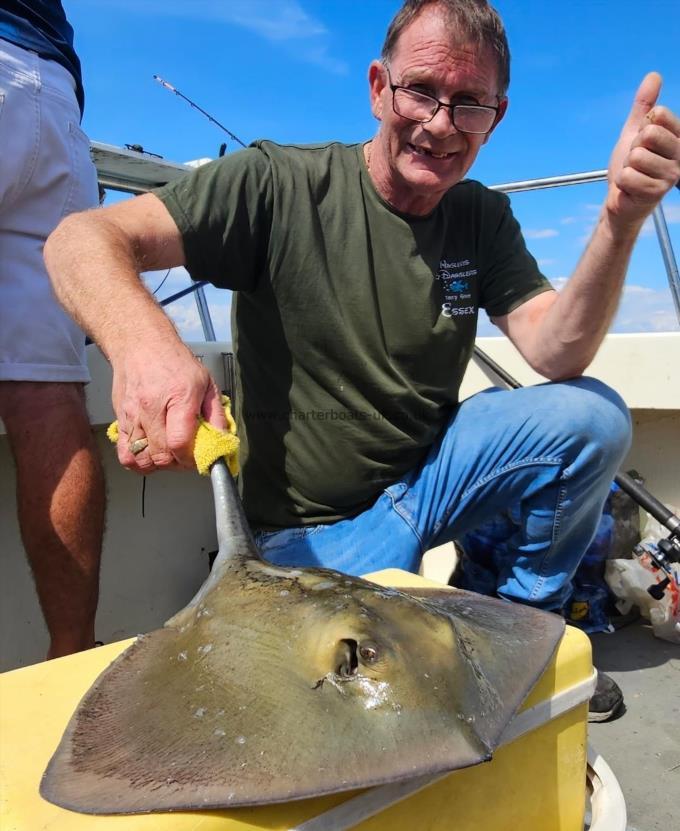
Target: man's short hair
(471,20)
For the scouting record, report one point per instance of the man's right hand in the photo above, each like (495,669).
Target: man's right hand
(160,397)
(159,388)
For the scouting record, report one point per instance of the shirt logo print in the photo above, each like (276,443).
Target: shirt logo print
(455,279)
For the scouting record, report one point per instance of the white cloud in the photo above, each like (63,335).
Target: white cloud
(540,233)
(545,261)
(167,281)
(279,21)
(568,220)
(184,314)
(642,309)
(272,19)
(587,232)
(645,310)
(671,214)
(648,228)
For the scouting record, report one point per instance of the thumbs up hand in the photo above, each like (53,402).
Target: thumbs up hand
(645,163)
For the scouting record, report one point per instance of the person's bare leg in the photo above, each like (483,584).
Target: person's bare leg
(61,499)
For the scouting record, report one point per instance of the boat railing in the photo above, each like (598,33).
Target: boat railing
(133,172)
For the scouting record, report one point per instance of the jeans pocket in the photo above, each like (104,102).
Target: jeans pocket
(273,540)
(396,491)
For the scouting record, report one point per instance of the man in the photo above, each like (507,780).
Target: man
(359,272)
(46,173)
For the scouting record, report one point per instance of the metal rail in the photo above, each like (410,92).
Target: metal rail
(668,256)
(129,175)
(660,225)
(204,314)
(552,182)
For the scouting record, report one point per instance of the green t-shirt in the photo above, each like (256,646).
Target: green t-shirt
(352,323)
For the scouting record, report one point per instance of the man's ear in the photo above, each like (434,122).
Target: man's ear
(502,109)
(377,80)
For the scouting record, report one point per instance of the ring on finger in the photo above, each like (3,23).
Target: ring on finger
(138,445)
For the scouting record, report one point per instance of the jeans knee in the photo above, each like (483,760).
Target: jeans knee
(600,416)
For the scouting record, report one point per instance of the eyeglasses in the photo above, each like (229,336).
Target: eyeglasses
(420,107)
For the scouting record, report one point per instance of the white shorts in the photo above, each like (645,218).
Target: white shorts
(45,173)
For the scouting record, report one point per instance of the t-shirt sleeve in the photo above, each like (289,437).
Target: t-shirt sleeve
(511,274)
(223,212)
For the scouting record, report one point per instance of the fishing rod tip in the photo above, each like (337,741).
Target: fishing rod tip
(164,83)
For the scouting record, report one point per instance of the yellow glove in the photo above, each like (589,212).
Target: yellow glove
(210,443)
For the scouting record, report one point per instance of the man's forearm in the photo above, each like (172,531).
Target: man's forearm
(159,388)
(560,334)
(573,328)
(95,274)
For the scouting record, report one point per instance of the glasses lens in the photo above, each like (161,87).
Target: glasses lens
(471,119)
(414,105)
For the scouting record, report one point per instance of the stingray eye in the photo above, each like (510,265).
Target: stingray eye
(369,652)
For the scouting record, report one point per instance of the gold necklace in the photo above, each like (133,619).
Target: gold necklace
(369,147)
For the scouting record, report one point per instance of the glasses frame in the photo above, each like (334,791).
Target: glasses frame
(440,105)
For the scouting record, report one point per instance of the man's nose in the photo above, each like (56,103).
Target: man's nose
(442,124)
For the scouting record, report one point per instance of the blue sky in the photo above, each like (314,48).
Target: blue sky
(295,71)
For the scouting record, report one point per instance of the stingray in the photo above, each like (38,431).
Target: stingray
(277,684)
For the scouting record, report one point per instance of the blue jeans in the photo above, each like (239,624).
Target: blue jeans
(546,454)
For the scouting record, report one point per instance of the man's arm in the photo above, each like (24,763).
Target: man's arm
(559,334)
(159,388)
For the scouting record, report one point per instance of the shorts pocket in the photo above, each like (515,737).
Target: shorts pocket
(82,192)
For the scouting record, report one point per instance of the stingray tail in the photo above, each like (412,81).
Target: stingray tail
(234,538)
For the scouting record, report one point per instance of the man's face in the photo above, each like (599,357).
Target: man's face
(412,164)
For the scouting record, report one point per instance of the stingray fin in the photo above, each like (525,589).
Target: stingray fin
(496,637)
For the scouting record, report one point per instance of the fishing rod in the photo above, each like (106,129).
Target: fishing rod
(669,548)
(170,87)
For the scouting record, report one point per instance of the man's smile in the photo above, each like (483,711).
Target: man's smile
(427,152)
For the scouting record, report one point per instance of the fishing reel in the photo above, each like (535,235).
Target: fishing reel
(667,550)
(667,553)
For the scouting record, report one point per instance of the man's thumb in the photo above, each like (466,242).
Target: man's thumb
(645,99)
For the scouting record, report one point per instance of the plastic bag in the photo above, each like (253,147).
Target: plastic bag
(587,606)
(590,603)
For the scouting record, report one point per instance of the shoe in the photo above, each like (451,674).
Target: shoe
(606,703)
